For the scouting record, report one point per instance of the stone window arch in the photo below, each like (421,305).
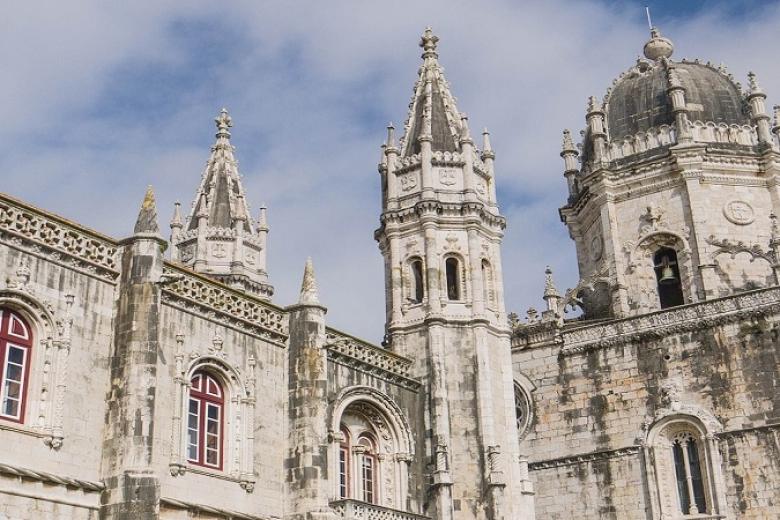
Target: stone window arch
(454,278)
(371,448)
(667,275)
(237,401)
(642,265)
(415,276)
(488,284)
(50,345)
(683,466)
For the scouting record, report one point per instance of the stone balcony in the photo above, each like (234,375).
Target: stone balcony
(357,510)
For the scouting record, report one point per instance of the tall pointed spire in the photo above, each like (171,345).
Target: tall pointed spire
(220,239)
(309,292)
(147,217)
(432,114)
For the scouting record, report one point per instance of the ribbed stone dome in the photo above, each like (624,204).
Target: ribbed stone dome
(639,101)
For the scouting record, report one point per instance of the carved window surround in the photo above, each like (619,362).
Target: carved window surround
(682,421)
(395,447)
(49,364)
(239,409)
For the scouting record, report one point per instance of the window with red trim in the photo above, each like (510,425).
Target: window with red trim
(15,349)
(368,470)
(205,421)
(344,462)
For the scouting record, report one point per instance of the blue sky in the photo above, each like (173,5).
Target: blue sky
(101,99)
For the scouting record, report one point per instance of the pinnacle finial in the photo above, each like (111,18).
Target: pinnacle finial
(390,135)
(593,105)
(464,127)
(176,221)
(309,293)
(224,123)
(568,143)
(428,42)
(549,284)
(486,146)
(262,219)
(147,217)
(755,88)
(658,47)
(673,77)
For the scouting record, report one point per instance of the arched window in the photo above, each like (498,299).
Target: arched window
(368,468)
(205,421)
(344,461)
(488,287)
(687,468)
(452,269)
(418,286)
(15,350)
(684,465)
(667,275)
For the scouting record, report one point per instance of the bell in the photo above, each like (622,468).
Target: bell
(667,275)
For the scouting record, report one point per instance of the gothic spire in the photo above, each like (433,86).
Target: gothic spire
(220,196)
(433,115)
(220,238)
(147,216)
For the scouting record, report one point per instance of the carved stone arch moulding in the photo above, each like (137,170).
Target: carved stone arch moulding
(49,361)
(239,413)
(682,421)
(396,446)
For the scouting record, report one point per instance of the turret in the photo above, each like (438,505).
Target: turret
(219,239)
(758,116)
(569,154)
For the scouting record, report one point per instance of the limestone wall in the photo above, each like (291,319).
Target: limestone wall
(594,405)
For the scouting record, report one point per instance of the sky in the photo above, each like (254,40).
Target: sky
(100,99)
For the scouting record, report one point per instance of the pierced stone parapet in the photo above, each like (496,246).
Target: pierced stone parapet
(192,292)
(685,318)
(368,358)
(57,239)
(356,510)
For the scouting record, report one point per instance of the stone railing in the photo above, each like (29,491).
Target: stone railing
(356,510)
(57,239)
(363,356)
(194,293)
(664,135)
(684,318)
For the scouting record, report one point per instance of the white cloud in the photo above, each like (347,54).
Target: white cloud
(310,86)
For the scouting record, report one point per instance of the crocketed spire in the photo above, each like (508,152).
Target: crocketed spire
(147,216)
(433,115)
(220,239)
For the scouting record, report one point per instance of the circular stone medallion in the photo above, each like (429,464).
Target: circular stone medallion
(596,248)
(739,212)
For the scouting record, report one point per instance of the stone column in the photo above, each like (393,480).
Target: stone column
(306,463)
(132,488)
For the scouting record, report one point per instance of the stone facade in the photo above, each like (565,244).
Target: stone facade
(136,386)
(645,404)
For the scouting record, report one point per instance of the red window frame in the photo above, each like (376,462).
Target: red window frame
(207,394)
(368,470)
(344,462)
(15,333)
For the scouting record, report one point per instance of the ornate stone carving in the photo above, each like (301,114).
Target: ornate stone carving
(199,295)
(733,248)
(628,451)
(447,177)
(408,181)
(368,358)
(49,236)
(739,212)
(710,313)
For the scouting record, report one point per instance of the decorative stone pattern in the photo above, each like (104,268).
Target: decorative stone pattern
(190,291)
(57,239)
(354,510)
(363,356)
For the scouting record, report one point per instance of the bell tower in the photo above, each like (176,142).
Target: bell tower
(440,236)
